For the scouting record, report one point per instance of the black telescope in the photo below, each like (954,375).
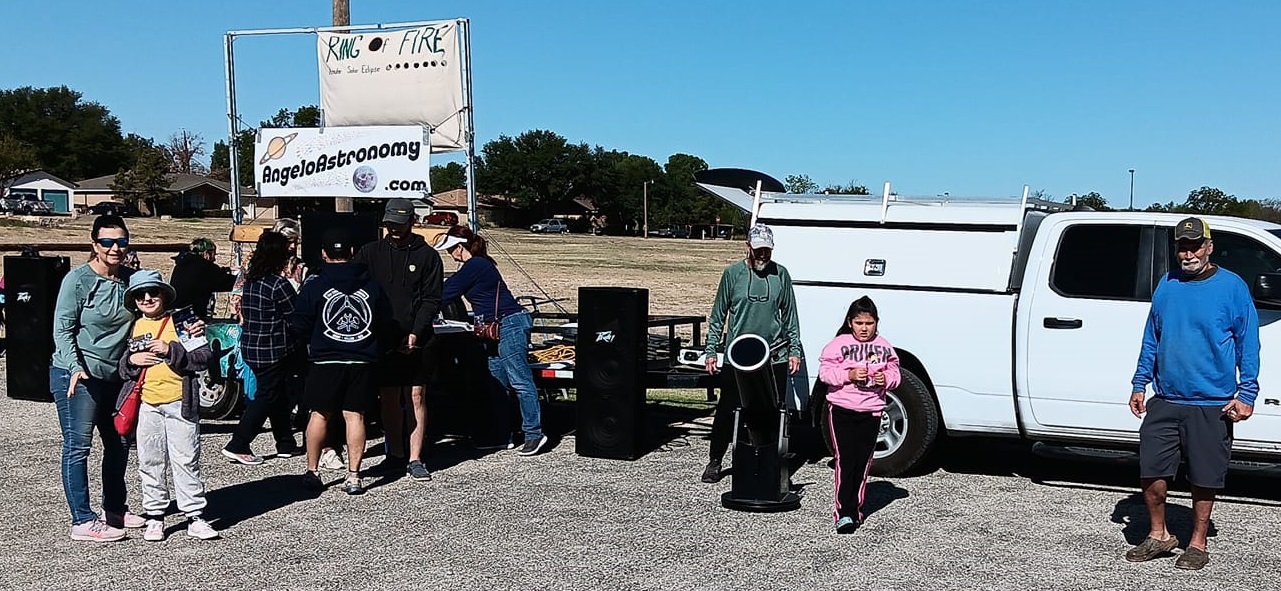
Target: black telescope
(759,481)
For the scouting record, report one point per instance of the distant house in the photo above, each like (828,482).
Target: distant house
(192,193)
(38,185)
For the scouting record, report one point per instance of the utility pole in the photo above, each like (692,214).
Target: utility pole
(1131,189)
(645,190)
(342,18)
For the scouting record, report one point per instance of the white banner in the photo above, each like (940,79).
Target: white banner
(408,77)
(385,161)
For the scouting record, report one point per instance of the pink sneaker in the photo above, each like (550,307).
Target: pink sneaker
(96,531)
(128,520)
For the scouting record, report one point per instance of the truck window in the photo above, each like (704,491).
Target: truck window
(1097,261)
(1241,255)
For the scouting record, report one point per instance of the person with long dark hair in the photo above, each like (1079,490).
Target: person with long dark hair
(90,331)
(268,348)
(479,281)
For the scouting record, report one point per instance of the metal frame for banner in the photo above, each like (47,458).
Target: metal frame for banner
(233,119)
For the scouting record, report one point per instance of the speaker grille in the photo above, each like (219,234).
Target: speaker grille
(31,291)
(610,371)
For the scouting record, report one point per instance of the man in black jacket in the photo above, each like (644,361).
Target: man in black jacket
(196,277)
(411,274)
(346,318)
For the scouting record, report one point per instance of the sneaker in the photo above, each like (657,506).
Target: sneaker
(128,520)
(533,446)
(155,531)
(248,459)
(311,481)
(846,525)
(96,531)
(498,446)
(200,529)
(712,473)
(330,460)
(352,486)
(290,452)
(390,466)
(1151,548)
(1193,559)
(418,471)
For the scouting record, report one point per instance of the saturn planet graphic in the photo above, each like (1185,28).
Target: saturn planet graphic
(276,147)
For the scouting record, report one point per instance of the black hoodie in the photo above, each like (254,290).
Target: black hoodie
(344,314)
(195,280)
(412,276)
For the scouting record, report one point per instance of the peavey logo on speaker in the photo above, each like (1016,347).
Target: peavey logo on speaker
(24,296)
(605,336)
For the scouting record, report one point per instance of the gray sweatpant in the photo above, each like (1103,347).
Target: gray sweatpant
(166,440)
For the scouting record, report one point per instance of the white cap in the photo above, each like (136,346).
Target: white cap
(446,242)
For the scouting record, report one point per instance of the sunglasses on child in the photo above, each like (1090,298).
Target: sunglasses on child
(150,292)
(109,242)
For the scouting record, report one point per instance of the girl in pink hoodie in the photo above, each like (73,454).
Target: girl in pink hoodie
(859,366)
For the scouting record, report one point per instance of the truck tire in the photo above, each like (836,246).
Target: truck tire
(909,427)
(219,398)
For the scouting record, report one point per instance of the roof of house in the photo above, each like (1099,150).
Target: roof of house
(178,182)
(38,173)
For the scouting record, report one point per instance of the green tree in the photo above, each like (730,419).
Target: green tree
(800,183)
(71,138)
(448,177)
(1212,201)
(147,181)
(850,188)
(15,159)
(1092,200)
(539,169)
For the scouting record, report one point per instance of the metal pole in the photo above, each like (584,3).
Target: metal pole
(645,201)
(1131,189)
(464,39)
(233,129)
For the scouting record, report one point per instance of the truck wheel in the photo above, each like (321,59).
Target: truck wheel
(219,399)
(909,427)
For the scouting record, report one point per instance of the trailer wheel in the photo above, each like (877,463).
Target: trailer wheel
(219,398)
(909,428)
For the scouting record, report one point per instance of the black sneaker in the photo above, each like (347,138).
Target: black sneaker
(312,482)
(533,446)
(290,452)
(418,471)
(712,473)
(390,466)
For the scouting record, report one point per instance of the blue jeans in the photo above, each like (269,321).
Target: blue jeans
(510,369)
(91,406)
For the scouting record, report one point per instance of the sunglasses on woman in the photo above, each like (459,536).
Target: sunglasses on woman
(107,243)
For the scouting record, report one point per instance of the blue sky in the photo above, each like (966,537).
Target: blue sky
(970,98)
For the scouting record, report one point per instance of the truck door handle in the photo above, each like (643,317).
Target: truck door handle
(1063,323)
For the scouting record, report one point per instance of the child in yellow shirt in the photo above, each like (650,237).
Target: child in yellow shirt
(168,431)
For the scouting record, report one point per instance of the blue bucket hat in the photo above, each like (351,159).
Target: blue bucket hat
(143,280)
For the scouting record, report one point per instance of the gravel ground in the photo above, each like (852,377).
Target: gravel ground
(991,517)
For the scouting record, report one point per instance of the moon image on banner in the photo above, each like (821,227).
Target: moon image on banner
(365,179)
(276,147)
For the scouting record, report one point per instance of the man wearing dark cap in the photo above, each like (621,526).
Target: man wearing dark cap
(197,277)
(1201,355)
(344,316)
(411,274)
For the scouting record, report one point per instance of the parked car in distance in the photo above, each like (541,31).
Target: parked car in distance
(123,210)
(441,218)
(671,232)
(550,226)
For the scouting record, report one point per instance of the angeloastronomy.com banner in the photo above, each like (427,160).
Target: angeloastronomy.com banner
(378,161)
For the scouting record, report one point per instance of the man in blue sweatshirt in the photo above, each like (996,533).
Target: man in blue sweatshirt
(1201,354)
(346,319)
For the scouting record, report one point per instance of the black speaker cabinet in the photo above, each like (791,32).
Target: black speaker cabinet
(364,228)
(609,371)
(30,292)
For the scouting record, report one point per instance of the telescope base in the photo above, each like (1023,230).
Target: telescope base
(789,502)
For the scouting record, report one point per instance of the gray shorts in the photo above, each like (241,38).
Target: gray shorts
(1172,433)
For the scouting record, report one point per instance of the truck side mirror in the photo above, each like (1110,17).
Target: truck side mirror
(1267,288)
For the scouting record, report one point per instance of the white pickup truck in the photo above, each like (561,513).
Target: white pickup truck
(1012,317)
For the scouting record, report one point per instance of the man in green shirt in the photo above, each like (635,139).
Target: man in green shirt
(754,297)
